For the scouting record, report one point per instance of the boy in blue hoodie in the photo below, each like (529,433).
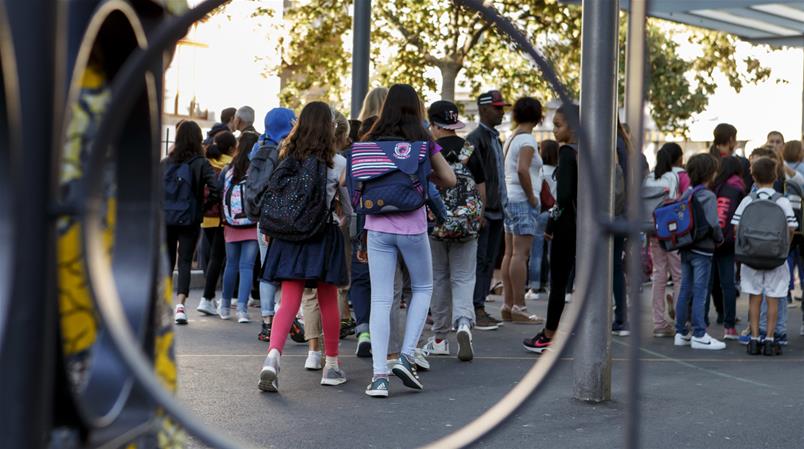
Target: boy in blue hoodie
(696,260)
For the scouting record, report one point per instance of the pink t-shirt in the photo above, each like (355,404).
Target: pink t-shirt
(402,223)
(232,234)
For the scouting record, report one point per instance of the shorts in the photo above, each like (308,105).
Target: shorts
(772,283)
(521,218)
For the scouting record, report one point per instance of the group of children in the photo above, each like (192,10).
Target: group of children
(712,219)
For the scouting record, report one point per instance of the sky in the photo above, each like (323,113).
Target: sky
(221,68)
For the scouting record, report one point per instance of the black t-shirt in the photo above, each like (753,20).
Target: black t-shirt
(451,150)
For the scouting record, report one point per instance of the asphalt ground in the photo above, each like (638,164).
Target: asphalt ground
(691,399)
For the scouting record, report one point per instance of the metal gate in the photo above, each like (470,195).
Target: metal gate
(92,344)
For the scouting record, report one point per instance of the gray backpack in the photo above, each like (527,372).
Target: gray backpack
(763,240)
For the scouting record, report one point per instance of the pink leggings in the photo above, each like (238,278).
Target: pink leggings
(291,301)
(664,263)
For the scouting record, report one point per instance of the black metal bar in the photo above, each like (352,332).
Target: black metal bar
(28,352)
(361,31)
(635,111)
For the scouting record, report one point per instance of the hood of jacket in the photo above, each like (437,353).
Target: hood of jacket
(221,162)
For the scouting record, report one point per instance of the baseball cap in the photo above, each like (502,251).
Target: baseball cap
(444,114)
(492,97)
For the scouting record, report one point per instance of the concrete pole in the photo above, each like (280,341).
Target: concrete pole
(592,367)
(361,32)
(636,47)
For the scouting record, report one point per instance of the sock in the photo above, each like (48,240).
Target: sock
(380,376)
(274,353)
(754,338)
(314,352)
(331,362)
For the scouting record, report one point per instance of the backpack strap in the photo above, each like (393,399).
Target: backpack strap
(775,197)
(508,144)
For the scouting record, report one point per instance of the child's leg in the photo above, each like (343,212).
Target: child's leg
(330,318)
(702,270)
(773,315)
(684,294)
(659,279)
(312,319)
(755,301)
(291,300)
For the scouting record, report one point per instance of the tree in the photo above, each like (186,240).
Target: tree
(411,37)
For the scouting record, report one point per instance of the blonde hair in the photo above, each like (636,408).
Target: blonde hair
(341,130)
(372,104)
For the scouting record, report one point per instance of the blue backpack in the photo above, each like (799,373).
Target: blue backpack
(180,201)
(681,223)
(388,176)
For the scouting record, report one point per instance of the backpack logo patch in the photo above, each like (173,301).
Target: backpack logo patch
(402,150)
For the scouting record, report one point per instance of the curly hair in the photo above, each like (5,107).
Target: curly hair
(312,135)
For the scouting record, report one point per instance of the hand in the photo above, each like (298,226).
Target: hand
(362,256)
(264,238)
(548,237)
(533,201)
(482,221)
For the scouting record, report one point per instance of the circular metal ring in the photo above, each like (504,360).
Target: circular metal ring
(100,382)
(9,168)
(106,291)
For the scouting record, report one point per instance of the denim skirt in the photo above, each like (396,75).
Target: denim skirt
(521,218)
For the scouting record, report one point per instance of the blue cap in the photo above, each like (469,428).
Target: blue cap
(278,123)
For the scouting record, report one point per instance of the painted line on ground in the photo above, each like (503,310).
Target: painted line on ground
(659,358)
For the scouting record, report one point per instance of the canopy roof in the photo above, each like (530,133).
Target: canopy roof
(772,22)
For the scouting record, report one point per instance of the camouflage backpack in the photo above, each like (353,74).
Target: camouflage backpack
(464,208)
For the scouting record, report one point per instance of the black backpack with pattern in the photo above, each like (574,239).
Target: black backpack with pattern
(294,204)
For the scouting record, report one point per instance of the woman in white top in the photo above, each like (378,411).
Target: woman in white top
(522,181)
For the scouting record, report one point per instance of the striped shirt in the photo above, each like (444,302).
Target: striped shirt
(766,193)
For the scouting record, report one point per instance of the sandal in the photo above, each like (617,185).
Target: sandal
(505,313)
(520,315)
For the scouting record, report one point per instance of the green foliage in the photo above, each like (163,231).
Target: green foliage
(411,37)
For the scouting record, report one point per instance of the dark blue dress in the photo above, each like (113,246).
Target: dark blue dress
(320,259)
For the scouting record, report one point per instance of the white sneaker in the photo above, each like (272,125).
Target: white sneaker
(707,342)
(531,295)
(568,298)
(313,362)
(224,312)
(420,360)
(682,340)
(465,351)
(181,315)
(269,375)
(242,317)
(253,302)
(432,347)
(207,306)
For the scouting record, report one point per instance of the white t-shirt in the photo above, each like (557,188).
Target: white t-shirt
(669,181)
(766,193)
(334,176)
(515,145)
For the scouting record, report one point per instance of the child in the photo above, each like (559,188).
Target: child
(696,260)
(772,283)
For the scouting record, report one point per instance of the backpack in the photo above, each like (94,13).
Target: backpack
(763,241)
(234,207)
(259,171)
(180,202)
(794,193)
(388,176)
(462,201)
(680,224)
(655,192)
(294,204)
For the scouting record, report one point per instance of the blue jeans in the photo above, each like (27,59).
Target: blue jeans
(267,289)
(240,257)
(695,272)
(781,318)
(383,249)
(793,260)
(488,248)
(724,264)
(536,252)
(360,293)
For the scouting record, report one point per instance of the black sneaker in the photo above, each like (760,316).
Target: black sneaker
(347,327)
(538,343)
(767,347)
(484,321)
(406,370)
(297,331)
(777,347)
(265,333)
(754,348)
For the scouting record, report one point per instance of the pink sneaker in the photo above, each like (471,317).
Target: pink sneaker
(730,334)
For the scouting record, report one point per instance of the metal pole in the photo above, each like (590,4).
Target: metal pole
(361,31)
(592,367)
(802,95)
(30,347)
(634,114)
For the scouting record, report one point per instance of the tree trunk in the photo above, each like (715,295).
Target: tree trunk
(449,73)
